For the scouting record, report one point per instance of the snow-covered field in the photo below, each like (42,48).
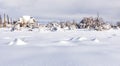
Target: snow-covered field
(60,48)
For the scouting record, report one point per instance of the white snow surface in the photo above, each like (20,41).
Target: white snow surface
(60,48)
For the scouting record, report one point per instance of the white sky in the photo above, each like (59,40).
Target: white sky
(108,9)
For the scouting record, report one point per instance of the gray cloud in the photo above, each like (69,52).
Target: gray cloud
(61,8)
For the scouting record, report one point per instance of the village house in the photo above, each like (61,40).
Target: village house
(25,22)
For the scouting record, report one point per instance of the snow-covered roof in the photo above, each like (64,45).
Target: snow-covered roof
(26,19)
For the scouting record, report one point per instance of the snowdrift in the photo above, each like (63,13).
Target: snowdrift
(17,41)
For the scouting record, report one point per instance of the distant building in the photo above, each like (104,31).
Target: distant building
(27,21)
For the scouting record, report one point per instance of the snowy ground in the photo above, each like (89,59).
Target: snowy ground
(60,48)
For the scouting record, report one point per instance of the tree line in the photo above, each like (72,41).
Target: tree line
(96,23)
(5,20)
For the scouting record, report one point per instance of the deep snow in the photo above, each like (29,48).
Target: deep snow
(60,48)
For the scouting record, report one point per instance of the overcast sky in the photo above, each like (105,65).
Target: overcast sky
(108,9)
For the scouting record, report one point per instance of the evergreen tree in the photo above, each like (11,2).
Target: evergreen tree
(4,24)
(0,21)
(8,20)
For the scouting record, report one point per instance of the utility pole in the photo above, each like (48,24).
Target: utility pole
(98,16)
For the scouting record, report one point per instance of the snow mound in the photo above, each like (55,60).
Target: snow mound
(72,39)
(96,40)
(81,38)
(17,41)
(78,39)
(63,41)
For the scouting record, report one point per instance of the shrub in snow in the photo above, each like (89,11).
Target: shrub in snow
(106,26)
(118,24)
(54,29)
(115,26)
(16,27)
(94,23)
